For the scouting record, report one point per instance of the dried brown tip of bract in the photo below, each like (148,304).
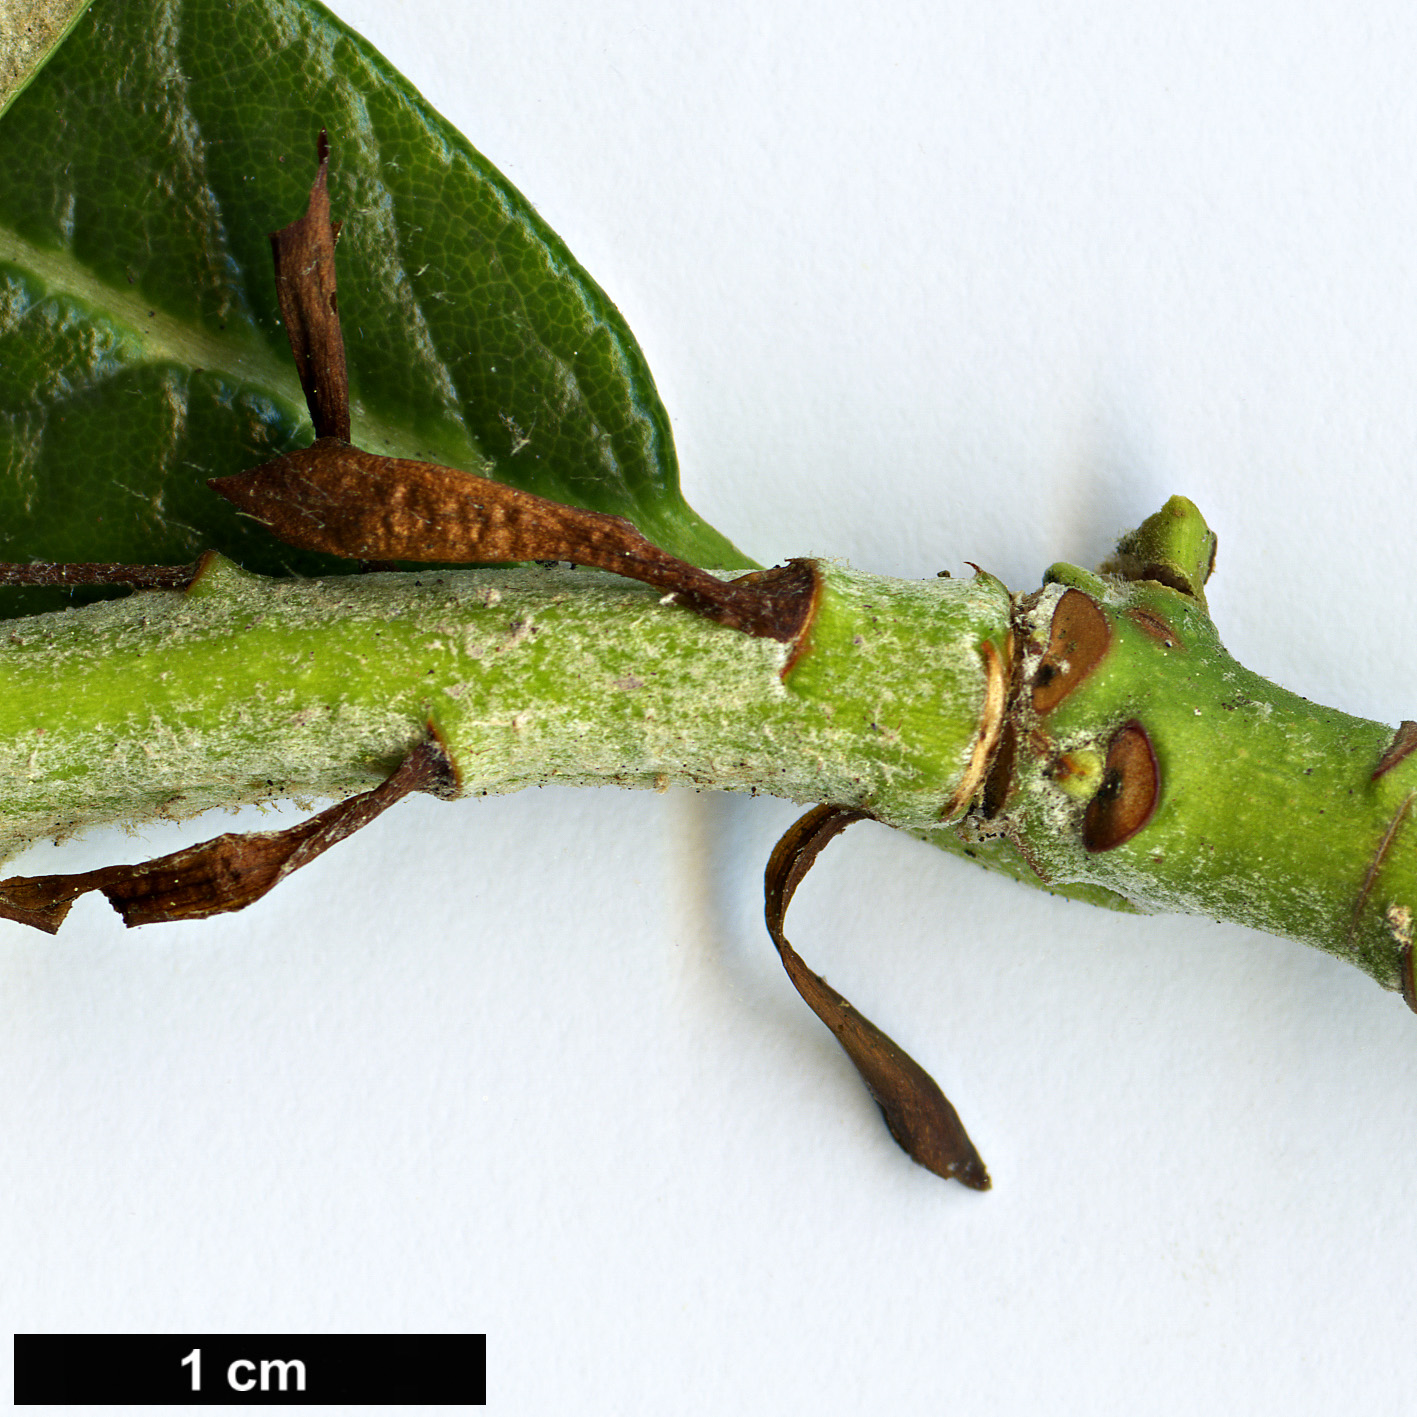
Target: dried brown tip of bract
(918,1114)
(339,499)
(304,254)
(226,873)
(76,573)
(1078,639)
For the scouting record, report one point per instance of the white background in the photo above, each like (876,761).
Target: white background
(919,283)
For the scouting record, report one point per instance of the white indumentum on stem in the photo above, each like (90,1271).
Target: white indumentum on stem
(245,688)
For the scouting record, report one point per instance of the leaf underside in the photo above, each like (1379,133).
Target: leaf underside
(141,349)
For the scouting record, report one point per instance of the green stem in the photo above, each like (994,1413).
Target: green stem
(1138,765)
(1268,813)
(246,688)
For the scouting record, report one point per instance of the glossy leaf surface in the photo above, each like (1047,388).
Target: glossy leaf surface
(141,350)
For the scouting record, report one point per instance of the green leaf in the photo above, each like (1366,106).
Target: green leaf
(140,345)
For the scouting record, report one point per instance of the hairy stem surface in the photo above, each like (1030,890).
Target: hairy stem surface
(246,688)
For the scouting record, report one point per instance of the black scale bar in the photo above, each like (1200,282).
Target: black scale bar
(352,1369)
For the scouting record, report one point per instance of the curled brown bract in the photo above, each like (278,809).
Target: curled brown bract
(339,499)
(304,255)
(336,498)
(918,1114)
(227,873)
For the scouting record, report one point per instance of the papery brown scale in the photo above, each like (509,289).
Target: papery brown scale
(226,873)
(917,1113)
(335,498)
(339,499)
(304,256)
